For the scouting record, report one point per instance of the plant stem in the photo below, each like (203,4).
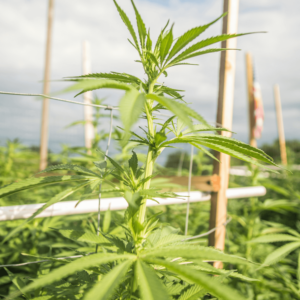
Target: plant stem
(149,161)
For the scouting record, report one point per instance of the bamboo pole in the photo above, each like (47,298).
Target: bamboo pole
(249,73)
(87,97)
(218,212)
(280,125)
(46,89)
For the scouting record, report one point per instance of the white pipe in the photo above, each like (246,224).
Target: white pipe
(88,206)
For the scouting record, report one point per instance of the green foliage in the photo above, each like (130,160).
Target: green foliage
(145,259)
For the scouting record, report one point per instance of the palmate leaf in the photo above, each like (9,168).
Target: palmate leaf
(38,182)
(131,107)
(219,289)
(181,110)
(52,201)
(93,84)
(194,252)
(69,269)
(281,253)
(69,167)
(141,26)
(272,238)
(128,25)
(133,162)
(150,286)
(189,36)
(106,287)
(82,236)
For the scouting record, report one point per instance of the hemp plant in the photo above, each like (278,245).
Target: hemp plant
(149,260)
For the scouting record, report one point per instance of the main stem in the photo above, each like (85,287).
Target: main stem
(149,161)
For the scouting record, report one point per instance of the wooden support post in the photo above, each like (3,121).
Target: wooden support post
(280,125)
(46,89)
(218,211)
(88,110)
(249,73)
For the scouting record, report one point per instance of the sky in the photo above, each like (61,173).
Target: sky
(23,37)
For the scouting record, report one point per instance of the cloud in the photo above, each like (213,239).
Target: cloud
(22,59)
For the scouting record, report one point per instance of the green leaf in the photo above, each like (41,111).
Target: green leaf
(272,238)
(141,26)
(95,84)
(193,293)
(52,201)
(38,182)
(18,282)
(131,107)
(69,167)
(129,25)
(189,36)
(179,109)
(122,77)
(159,138)
(133,162)
(205,43)
(281,253)
(150,286)
(202,127)
(166,44)
(194,252)
(85,262)
(106,287)
(82,236)
(219,289)
(213,50)
(107,220)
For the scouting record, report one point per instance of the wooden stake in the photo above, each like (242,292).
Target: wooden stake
(218,212)
(46,89)
(280,125)
(249,72)
(88,110)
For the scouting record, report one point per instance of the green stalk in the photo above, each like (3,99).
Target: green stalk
(149,161)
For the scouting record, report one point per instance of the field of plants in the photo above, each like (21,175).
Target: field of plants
(142,253)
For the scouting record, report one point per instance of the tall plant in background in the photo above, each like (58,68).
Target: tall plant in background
(149,261)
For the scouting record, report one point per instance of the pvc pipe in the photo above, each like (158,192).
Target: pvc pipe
(89,206)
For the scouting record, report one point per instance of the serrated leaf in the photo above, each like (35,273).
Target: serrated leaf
(219,290)
(60,196)
(166,44)
(141,26)
(95,84)
(195,252)
(193,293)
(69,167)
(205,43)
(69,269)
(281,253)
(189,36)
(38,182)
(150,286)
(106,287)
(272,238)
(128,25)
(82,236)
(133,162)
(122,77)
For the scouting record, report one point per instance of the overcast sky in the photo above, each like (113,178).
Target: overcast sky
(23,36)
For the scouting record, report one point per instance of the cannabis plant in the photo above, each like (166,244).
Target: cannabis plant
(149,260)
